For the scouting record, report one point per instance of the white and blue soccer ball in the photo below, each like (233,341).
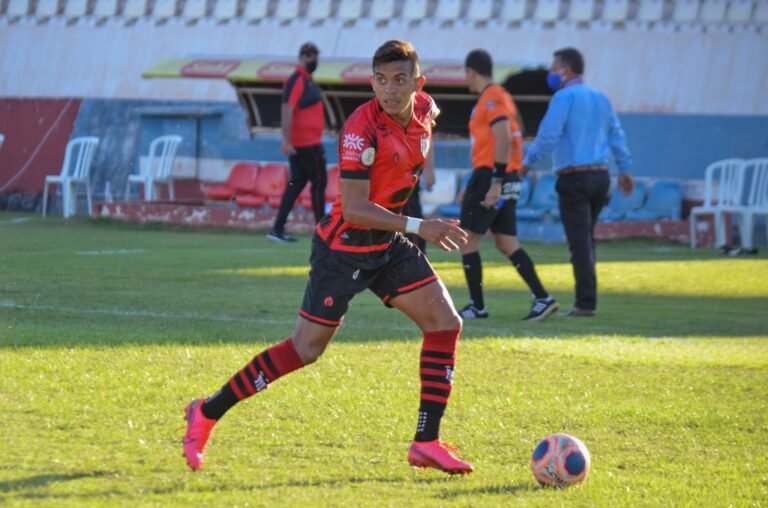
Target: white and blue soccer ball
(560,460)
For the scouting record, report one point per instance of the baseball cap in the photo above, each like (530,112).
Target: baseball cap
(308,48)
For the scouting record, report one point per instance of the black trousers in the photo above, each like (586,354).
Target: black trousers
(581,197)
(307,164)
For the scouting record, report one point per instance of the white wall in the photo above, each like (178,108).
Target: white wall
(696,73)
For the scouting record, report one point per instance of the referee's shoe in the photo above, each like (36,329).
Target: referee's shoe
(542,308)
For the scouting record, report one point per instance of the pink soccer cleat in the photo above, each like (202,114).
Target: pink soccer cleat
(438,455)
(198,432)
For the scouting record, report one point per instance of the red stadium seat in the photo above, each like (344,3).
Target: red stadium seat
(269,188)
(241,180)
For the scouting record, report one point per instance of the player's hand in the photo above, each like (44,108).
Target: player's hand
(626,184)
(493,195)
(287,148)
(444,233)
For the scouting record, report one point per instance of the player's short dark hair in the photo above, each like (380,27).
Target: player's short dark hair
(397,51)
(572,58)
(479,60)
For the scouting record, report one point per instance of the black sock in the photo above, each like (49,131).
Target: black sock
(527,271)
(473,271)
(219,403)
(428,426)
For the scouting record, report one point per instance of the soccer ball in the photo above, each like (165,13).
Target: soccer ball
(560,460)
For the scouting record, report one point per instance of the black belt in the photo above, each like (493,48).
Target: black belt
(581,169)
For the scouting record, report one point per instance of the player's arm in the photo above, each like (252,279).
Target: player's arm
(502,142)
(359,210)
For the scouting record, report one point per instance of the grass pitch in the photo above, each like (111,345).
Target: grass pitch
(106,332)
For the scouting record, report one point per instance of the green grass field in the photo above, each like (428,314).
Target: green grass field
(108,330)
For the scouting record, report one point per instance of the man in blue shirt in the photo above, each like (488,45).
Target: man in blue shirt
(580,130)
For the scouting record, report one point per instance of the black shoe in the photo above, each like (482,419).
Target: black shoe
(281,237)
(542,308)
(578,312)
(472,312)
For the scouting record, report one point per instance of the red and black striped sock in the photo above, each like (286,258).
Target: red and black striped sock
(438,356)
(265,368)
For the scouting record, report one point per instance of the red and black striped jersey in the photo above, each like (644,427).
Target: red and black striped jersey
(373,146)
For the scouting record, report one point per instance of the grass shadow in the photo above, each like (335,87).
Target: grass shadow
(43,480)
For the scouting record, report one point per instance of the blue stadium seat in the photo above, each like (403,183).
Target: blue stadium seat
(619,204)
(525,193)
(665,201)
(543,199)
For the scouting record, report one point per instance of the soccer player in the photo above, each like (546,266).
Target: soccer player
(360,245)
(497,153)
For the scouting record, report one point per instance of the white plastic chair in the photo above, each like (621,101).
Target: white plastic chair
(224,11)
(685,11)
(286,10)
(318,10)
(104,11)
(546,11)
(74,10)
(739,11)
(712,11)
(255,10)
(757,200)
(581,10)
(74,171)
(415,10)
(350,10)
(134,10)
(447,10)
(46,10)
(163,10)
(17,10)
(513,11)
(649,11)
(194,10)
(723,191)
(158,170)
(382,10)
(479,11)
(615,10)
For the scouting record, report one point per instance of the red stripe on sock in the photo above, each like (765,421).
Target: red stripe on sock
(263,366)
(235,389)
(444,341)
(432,372)
(434,398)
(434,384)
(247,383)
(285,357)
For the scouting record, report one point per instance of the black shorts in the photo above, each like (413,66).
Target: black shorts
(336,277)
(477,218)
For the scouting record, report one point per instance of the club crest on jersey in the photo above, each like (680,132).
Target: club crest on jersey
(369,154)
(424,144)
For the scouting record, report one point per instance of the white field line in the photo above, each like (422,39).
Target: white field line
(113,252)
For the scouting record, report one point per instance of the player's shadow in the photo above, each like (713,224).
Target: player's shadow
(492,490)
(43,480)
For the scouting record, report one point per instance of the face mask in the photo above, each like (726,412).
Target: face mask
(311,66)
(554,81)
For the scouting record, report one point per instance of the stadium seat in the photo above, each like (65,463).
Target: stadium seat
(619,204)
(17,11)
(447,11)
(255,11)
(723,193)
(757,199)
(415,10)
(241,180)
(685,11)
(134,10)
(479,11)
(46,10)
(269,188)
(581,10)
(163,11)
(349,11)
(739,11)
(712,11)
(543,199)
(318,10)
(650,11)
(75,170)
(224,11)
(760,15)
(442,193)
(547,11)
(194,11)
(382,10)
(286,11)
(512,11)
(615,11)
(104,10)
(158,170)
(664,201)
(525,193)
(453,209)
(75,10)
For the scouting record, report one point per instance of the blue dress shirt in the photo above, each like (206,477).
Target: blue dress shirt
(580,128)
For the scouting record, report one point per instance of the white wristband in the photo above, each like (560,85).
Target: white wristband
(412,225)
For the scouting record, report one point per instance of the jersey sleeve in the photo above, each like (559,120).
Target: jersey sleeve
(496,108)
(357,146)
(294,89)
